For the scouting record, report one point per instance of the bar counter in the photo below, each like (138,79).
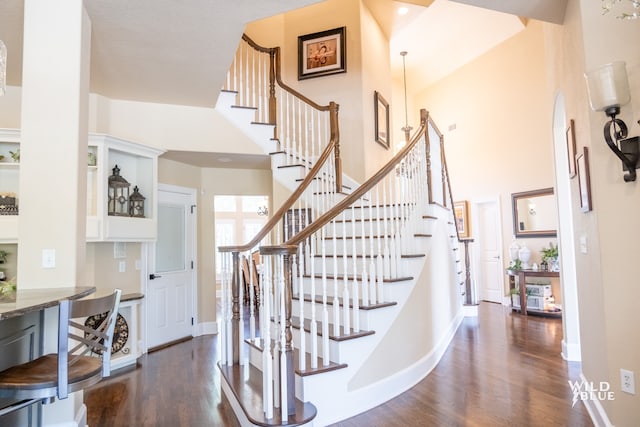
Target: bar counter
(31,300)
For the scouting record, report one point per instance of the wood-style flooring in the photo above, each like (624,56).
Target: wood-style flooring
(502,369)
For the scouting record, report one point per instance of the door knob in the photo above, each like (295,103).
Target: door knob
(154,276)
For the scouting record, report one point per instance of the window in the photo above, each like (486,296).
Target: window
(237,220)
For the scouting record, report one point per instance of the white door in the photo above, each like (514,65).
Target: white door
(491,271)
(170,286)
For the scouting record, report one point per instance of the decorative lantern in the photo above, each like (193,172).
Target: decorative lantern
(118,194)
(136,203)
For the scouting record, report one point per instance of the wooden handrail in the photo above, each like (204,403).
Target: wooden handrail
(256,46)
(276,217)
(364,188)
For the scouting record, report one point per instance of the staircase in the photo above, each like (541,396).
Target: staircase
(356,293)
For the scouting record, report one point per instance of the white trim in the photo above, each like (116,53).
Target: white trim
(207,328)
(81,416)
(596,411)
(571,352)
(470,310)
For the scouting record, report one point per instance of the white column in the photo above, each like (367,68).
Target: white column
(53,161)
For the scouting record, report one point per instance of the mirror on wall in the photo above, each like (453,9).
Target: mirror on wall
(534,213)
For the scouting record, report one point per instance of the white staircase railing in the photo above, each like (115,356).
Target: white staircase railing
(302,127)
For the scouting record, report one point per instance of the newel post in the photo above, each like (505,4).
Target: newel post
(288,297)
(335,136)
(235,307)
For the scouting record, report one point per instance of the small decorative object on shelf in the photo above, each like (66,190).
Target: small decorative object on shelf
(550,257)
(15,155)
(524,255)
(118,194)
(8,204)
(91,159)
(136,204)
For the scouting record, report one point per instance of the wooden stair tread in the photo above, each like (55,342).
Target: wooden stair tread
(343,336)
(243,107)
(367,256)
(258,344)
(362,306)
(359,278)
(262,124)
(246,385)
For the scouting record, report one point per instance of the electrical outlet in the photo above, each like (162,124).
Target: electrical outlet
(627,381)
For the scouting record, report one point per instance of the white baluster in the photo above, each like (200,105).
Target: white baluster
(372,258)
(325,312)
(314,323)
(354,290)
(267,361)
(303,344)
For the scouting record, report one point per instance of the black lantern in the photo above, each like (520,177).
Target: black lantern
(136,204)
(118,194)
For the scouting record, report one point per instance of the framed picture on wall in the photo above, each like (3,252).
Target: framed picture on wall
(461,212)
(584,181)
(381,116)
(571,148)
(322,54)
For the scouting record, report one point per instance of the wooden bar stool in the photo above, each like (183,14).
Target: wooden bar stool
(83,358)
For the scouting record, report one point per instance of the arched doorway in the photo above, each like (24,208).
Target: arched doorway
(566,238)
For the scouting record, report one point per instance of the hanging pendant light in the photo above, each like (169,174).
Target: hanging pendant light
(406,128)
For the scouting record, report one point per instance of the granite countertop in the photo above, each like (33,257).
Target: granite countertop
(29,300)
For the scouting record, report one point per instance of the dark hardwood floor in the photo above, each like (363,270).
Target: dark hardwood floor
(501,369)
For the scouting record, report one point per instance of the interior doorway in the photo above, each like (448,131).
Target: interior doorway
(171,284)
(489,249)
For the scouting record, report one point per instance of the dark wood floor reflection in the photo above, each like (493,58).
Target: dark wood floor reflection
(502,369)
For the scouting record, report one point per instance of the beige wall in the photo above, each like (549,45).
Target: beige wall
(502,111)
(103,269)
(368,69)
(607,293)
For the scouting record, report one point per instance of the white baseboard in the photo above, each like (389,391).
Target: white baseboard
(390,387)
(470,310)
(571,352)
(207,328)
(596,411)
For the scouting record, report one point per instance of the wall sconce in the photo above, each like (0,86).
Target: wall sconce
(608,89)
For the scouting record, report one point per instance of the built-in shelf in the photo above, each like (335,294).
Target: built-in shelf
(138,165)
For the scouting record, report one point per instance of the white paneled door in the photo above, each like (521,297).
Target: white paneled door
(170,286)
(490,245)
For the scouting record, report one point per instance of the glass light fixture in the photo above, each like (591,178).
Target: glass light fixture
(3,68)
(608,89)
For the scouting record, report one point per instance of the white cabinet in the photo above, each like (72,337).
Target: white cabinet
(138,164)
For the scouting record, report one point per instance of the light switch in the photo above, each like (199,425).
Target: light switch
(583,244)
(122,266)
(48,258)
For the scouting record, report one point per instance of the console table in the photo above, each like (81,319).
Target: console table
(522,275)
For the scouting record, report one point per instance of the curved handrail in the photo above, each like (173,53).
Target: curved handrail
(279,214)
(364,188)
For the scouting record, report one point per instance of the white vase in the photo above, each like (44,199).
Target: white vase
(513,251)
(524,255)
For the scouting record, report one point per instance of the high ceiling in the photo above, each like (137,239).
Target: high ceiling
(178,51)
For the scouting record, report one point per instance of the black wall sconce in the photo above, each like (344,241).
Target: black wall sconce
(608,89)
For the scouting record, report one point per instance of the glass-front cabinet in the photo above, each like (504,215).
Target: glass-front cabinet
(123,209)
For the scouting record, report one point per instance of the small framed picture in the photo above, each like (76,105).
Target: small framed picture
(461,212)
(322,54)
(584,181)
(381,111)
(571,148)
